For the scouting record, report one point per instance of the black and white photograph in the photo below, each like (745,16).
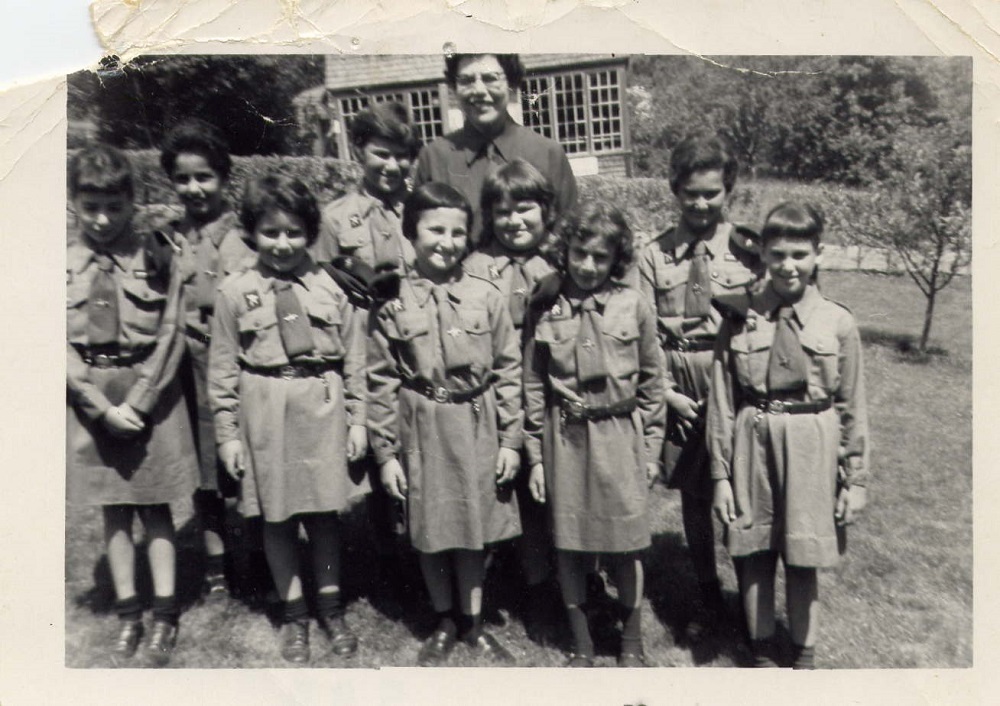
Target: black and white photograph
(519,360)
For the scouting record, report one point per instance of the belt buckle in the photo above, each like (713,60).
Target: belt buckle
(777,407)
(101,360)
(681,344)
(287,372)
(575,409)
(442,395)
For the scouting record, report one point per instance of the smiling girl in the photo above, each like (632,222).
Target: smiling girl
(286,384)
(445,417)
(788,433)
(594,419)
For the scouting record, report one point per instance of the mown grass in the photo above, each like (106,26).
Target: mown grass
(901,598)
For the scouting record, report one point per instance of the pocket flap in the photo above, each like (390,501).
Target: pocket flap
(819,343)
(257,319)
(142,294)
(325,315)
(411,324)
(624,330)
(475,321)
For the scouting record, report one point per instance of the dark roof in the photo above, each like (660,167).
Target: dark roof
(345,72)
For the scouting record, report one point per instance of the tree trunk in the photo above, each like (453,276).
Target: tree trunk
(928,317)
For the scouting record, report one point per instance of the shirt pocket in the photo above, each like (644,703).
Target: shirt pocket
(671,286)
(823,350)
(327,323)
(621,347)
(351,238)
(559,338)
(728,276)
(412,341)
(260,340)
(476,324)
(751,351)
(142,310)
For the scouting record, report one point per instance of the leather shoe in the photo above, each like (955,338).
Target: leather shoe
(632,660)
(129,636)
(486,646)
(343,642)
(162,638)
(295,641)
(579,661)
(436,649)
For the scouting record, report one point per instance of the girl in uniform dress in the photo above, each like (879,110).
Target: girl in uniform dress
(787,428)
(129,443)
(286,385)
(445,416)
(519,211)
(594,419)
(196,160)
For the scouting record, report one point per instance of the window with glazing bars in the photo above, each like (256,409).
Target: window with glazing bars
(582,110)
(424,106)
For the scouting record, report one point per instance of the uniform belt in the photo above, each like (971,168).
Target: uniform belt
(294,371)
(442,394)
(677,343)
(573,411)
(192,332)
(776,405)
(113,356)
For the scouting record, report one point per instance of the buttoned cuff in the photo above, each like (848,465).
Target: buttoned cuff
(512,440)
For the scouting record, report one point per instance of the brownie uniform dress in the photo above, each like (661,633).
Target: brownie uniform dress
(291,415)
(784,466)
(448,449)
(595,469)
(688,336)
(134,360)
(363,226)
(208,254)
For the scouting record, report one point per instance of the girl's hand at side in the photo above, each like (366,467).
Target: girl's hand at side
(686,411)
(536,483)
(652,472)
(850,502)
(357,442)
(123,421)
(231,455)
(394,480)
(508,464)
(723,503)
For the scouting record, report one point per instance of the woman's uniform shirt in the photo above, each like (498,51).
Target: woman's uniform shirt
(363,226)
(829,336)
(631,352)
(406,343)
(245,333)
(148,315)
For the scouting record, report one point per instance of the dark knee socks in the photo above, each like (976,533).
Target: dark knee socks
(583,644)
(165,609)
(330,604)
(129,610)
(470,627)
(295,611)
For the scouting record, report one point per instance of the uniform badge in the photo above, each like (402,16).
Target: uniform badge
(290,317)
(729,257)
(556,310)
(454,332)
(494,272)
(397,305)
(140,274)
(520,291)
(587,344)
(355,221)
(751,324)
(668,258)
(211,273)
(252,300)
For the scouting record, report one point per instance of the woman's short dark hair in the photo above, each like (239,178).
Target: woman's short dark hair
(389,121)
(793,219)
(597,219)
(518,180)
(426,197)
(511,64)
(196,137)
(283,193)
(703,150)
(100,169)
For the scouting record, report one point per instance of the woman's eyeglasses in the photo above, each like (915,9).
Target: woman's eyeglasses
(490,79)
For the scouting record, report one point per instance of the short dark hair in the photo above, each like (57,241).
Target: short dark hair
(279,192)
(100,169)
(520,181)
(793,219)
(427,197)
(511,64)
(597,219)
(389,121)
(196,137)
(703,150)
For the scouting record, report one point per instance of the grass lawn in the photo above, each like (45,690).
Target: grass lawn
(901,598)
